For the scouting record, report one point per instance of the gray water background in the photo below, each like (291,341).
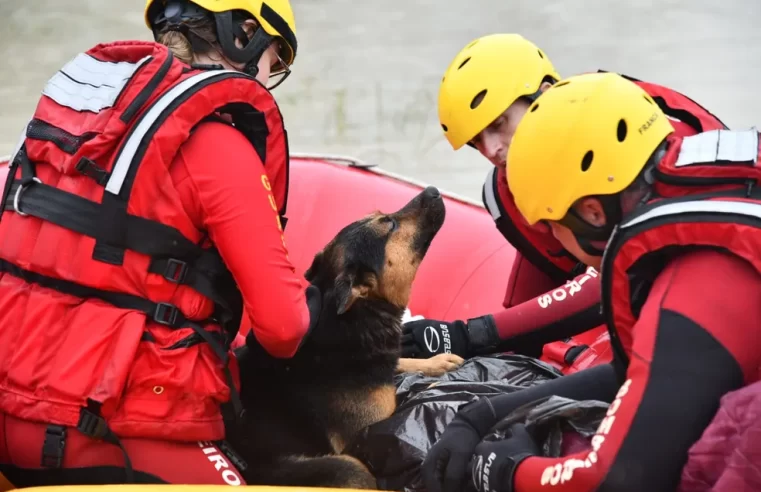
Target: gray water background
(365,82)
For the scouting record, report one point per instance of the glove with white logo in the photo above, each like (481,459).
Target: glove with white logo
(446,466)
(497,457)
(424,338)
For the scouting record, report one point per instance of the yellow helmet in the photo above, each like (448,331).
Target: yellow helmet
(484,79)
(588,135)
(274,16)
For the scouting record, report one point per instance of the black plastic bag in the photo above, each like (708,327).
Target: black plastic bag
(515,371)
(561,425)
(395,448)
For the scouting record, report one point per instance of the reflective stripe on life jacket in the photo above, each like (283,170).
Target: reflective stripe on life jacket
(90,210)
(536,244)
(712,200)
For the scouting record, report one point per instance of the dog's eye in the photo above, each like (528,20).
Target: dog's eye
(390,220)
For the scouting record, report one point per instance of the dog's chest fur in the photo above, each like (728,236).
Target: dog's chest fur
(338,383)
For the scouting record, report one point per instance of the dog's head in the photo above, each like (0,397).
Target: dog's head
(376,258)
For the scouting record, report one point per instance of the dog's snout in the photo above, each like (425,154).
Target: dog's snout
(428,197)
(424,200)
(432,192)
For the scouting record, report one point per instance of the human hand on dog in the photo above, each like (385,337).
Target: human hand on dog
(424,338)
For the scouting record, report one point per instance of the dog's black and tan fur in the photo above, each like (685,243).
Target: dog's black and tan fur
(302,412)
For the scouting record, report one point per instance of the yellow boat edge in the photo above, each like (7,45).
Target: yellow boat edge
(174,488)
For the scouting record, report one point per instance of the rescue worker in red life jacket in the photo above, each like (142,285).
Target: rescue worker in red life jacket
(551,295)
(679,222)
(143,212)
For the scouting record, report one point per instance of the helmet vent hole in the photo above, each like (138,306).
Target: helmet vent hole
(471,44)
(587,160)
(444,127)
(647,98)
(541,55)
(621,130)
(561,84)
(534,107)
(478,99)
(463,63)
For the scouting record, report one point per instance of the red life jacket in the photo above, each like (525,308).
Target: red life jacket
(95,236)
(708,197)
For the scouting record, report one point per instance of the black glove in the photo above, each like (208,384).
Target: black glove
(446,467)
(497,457)
(424,338)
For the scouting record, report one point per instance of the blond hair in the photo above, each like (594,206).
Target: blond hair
(195,38)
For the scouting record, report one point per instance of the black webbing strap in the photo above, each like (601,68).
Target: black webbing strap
(31,197)
(92,424)
(38,129)
(80,215)
(160,312)
(252,123)
(208,276)
(173,256)
(223,354)
(28,173)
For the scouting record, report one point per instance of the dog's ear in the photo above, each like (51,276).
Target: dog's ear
(348,288)
(314,267)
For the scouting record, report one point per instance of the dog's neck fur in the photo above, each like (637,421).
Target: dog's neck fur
(335,345)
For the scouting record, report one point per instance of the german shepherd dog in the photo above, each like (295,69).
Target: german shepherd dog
(302,412)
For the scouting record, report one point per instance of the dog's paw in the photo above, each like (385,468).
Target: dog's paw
(440,364)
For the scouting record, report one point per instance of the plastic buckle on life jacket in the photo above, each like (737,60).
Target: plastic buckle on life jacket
(166,314)
(52,447)
(175,271)
(93,171)
(91,424)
